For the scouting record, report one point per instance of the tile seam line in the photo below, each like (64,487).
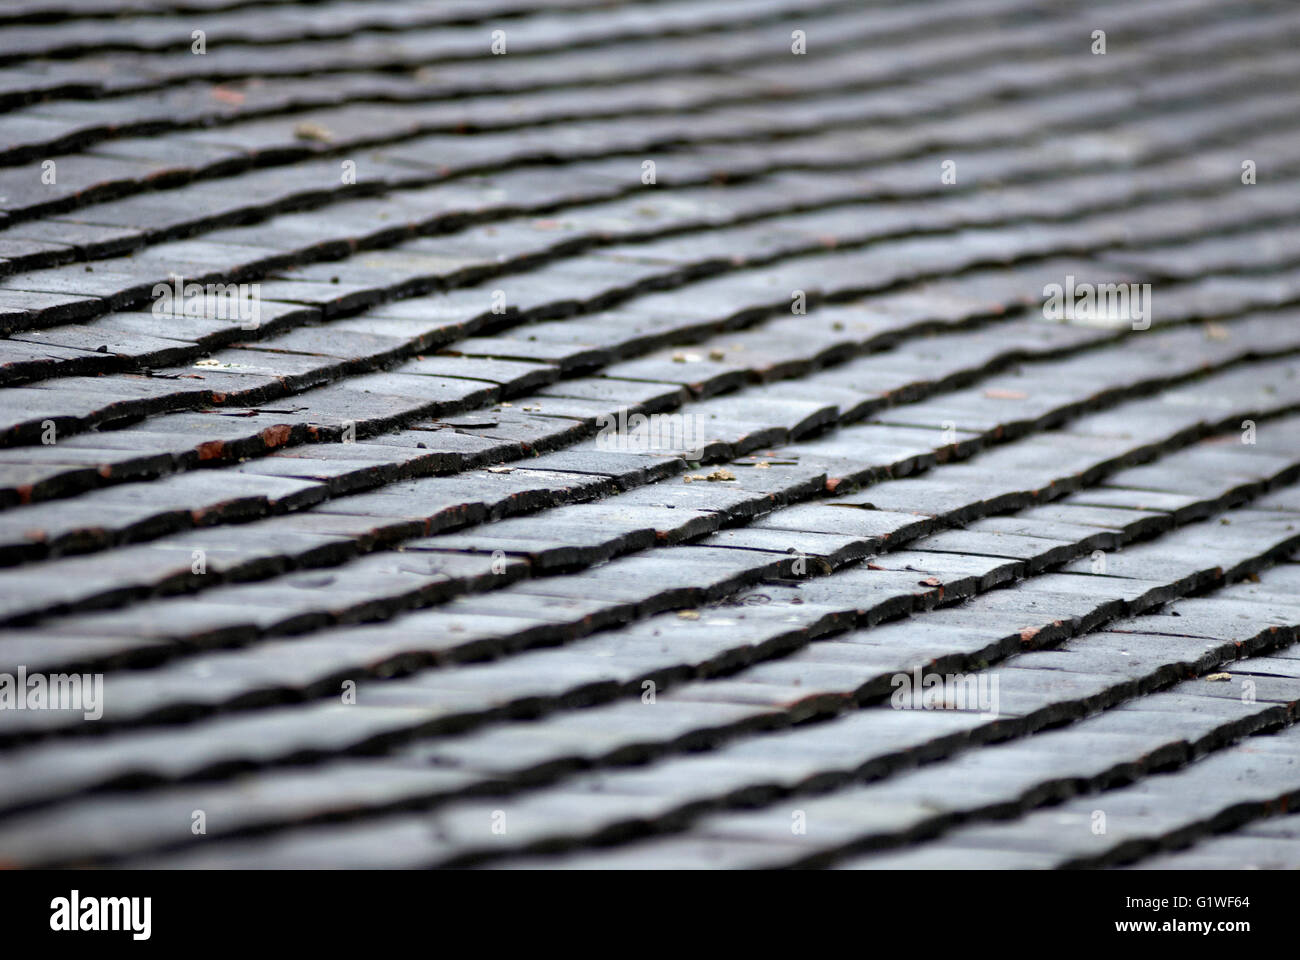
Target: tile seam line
(54,15)
(681,277)
(1243,813)
(833,12)
(77,51)
(1110,398)
(1098,472)
(754,321)
(1133,849)
(1270,640)
(686,812)
(831,8)
(1155,160)
(952,382)
(668,144)
(1225,502)
(578,246)
(1230,733)
(992,439)
(438,225)
(680,817)
(78,142)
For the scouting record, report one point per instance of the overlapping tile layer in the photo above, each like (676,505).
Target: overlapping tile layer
(551,433)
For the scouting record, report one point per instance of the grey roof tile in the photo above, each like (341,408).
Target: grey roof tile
(610,628)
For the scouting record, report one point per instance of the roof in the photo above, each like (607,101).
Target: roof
(543,433)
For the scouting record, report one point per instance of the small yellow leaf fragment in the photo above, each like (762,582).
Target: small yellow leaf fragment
(313,131)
